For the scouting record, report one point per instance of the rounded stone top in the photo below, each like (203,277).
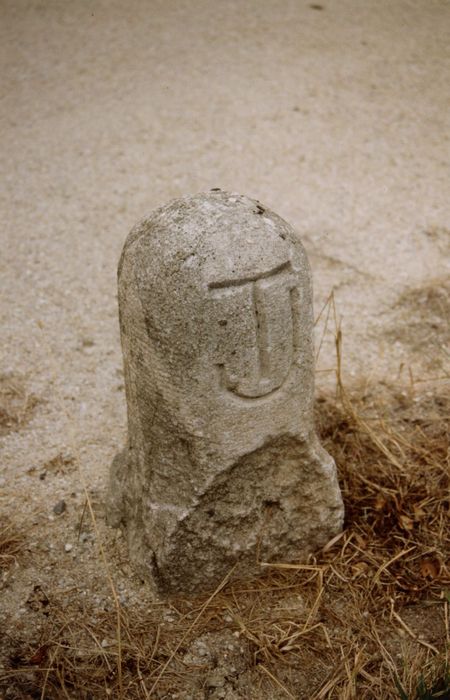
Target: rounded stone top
(222,237)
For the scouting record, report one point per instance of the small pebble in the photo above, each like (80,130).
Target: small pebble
(68,547)
(59,507)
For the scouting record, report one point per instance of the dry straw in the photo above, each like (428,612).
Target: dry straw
(368,617)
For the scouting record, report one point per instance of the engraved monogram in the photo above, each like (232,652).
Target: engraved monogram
(271,298)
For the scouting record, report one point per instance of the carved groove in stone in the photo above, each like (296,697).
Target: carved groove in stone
(224,284)
(264,384)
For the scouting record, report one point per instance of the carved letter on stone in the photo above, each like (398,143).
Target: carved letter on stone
(222,464)
(273,309)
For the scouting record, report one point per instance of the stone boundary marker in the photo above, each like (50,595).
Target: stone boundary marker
(222,464)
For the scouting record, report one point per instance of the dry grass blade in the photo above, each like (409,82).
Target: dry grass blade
(408,630)
(351,410)
(313,612)
(386,564)
(191,627)
(17,404)
(11,541)
(276,681)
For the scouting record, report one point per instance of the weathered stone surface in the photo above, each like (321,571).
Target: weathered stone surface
(222,463)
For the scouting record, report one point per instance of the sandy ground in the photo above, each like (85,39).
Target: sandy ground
(336,115)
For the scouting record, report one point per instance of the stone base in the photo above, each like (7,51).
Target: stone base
(277,504)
